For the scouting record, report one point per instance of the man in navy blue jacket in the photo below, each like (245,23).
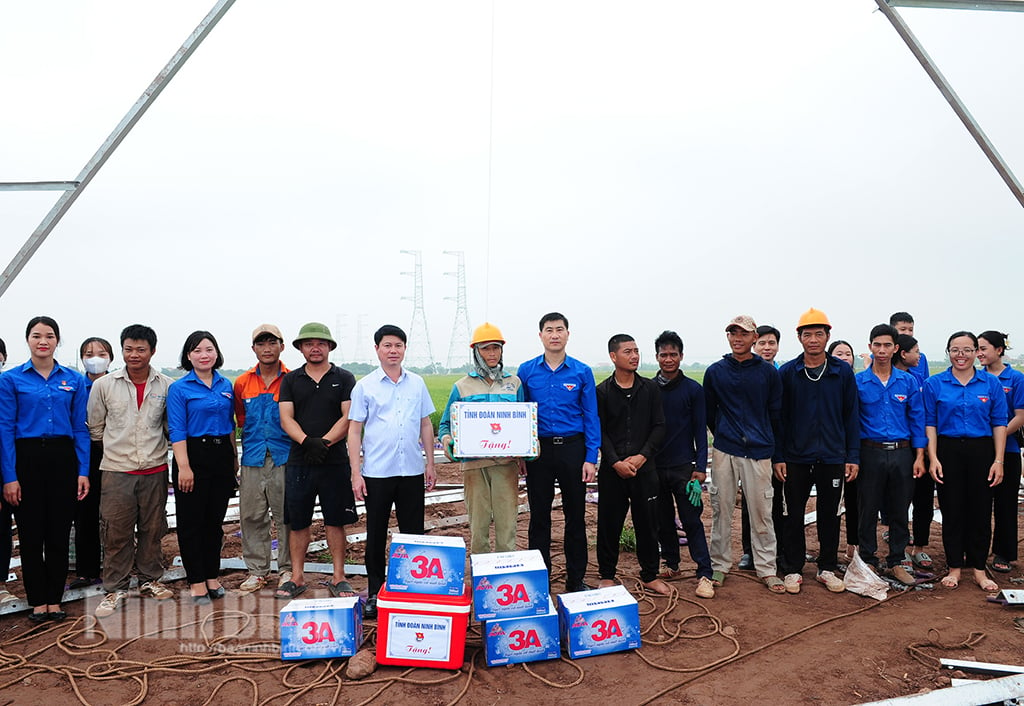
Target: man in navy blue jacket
(820,447)
(743,396)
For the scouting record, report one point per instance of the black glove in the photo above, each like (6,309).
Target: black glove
(315,449)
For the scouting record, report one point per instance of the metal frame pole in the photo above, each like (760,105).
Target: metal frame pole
(952,98)
(109,145)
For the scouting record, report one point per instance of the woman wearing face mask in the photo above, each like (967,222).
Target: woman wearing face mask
(965,421)
(200,417)
(96,354)
(991,347)
(44,459)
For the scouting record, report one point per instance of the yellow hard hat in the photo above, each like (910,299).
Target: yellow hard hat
(486,333)
(813,317)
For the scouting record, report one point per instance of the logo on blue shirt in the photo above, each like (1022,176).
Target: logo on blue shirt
(570,386)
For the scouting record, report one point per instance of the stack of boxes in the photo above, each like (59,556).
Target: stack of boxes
(423,609)
(511,599)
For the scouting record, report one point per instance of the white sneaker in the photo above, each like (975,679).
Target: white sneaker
(792,582)
(832,582)
(155,589)
(705,589)
(253,583)
(110,603)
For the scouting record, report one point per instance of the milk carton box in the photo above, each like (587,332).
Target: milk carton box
(529,638)
(321,628)
(427,564)
(509,584)
(599,621)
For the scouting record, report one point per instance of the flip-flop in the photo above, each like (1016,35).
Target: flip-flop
(289,589)
(1000,564)
(342,589)
(922,560)
(775,584)
(988,585)
(949,581)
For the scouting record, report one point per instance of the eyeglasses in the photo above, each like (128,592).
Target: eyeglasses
(960,351)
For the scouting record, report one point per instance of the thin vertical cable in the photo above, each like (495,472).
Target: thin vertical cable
(490,158)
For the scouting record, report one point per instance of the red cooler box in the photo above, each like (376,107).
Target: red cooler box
(422,630)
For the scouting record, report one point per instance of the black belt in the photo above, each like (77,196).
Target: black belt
(886,445)
(560,440)
(215,440)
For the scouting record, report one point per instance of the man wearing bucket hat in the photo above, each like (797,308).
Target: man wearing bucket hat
(491,484)
(314,404)
(265,451)
(820,446)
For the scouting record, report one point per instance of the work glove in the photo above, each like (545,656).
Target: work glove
(315,450)
(693,491)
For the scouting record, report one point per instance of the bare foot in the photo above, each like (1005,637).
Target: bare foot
(984,582)
(659,586)
(606,583)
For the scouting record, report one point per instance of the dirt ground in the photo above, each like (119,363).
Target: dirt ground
(744,645)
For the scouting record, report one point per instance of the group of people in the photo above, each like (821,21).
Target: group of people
(92,451)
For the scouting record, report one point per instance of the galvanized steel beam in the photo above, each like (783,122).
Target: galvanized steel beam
(38,185)
(991,5)
(951,96)
(111,143)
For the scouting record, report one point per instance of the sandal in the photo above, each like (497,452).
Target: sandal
(717,578)
(669,573)
(999,564)
(922,561)
(342,589)
(950,581)
(775,584)
(988,585)
(289,589)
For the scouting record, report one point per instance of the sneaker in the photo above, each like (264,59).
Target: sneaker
(792,582)
(831,581)
(6,597)
(670,572)
(283,578)
(155,589)
(902,573)
(705,589)
(746,563)
(110,603)
(253,583)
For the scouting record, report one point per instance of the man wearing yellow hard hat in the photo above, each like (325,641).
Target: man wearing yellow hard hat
(491,484)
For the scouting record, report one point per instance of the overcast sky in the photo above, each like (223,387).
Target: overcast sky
(652,165)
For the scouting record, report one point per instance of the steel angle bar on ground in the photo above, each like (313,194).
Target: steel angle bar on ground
(981,667)
(981,692)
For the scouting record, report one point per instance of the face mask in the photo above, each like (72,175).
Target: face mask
(96,366)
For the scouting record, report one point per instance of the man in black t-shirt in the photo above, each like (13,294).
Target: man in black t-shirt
(314,413)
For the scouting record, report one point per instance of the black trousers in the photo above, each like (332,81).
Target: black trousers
(672,497)
(201,512)
(405,495)
(965,500)
(87,519)
(562,464)
(885,482)
(639,496)
(48,473)
(851,496)
(924,510)
(6,540)
(828,479)
(1004,507)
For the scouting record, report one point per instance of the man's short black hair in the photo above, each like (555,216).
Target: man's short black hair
(553,316)
(3,349)
(389,330)
(193,340)
(900,317)
(766,330)
(668,338)
(617,340)
(138,332)
(883,330)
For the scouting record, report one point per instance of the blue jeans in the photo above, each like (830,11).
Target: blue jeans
(672,496)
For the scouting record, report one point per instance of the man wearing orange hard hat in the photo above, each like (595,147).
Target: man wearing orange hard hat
(491,484)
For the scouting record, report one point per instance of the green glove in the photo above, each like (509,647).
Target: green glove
(693,491)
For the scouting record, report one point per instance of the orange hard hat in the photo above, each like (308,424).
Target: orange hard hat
(813,317)
(485,333)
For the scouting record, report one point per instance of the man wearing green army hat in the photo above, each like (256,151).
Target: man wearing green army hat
(314,404)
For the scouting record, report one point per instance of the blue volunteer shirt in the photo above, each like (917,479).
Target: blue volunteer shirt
(193,409)
(891,412)
(964,411)
(1012,382)
(566,400)
(920,371)
(34,407)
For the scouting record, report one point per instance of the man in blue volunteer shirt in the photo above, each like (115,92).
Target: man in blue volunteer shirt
(820,447)
(892,442)
(743,396)
(570,435)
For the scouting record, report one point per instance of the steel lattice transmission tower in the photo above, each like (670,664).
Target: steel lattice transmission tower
(459,342)
(420,355)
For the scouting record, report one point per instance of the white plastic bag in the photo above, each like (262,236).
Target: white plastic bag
(860,579)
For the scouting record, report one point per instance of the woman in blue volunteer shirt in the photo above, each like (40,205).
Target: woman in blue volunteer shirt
(44,459)
(965,420)
(991,347)
(200,419)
